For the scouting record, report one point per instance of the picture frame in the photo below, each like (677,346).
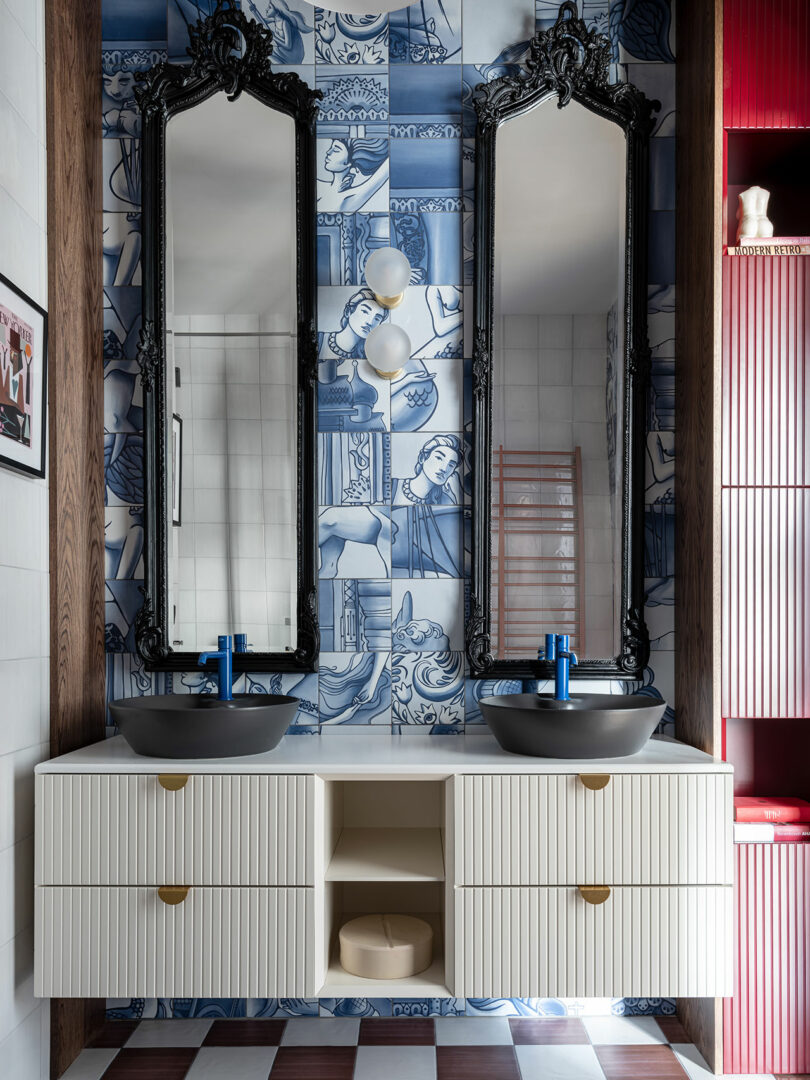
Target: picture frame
(23,381)
(177,470)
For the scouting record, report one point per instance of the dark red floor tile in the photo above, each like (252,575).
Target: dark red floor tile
(314,1063)
(114,1033)
(476,1063)
(151,1063)
(416,1032)
(245,1033)
(639,1063)
(548,1031)
(673,1029)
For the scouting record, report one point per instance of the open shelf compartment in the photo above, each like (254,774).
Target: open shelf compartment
(384,852)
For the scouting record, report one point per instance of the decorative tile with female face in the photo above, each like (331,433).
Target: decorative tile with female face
(351,396)
(427,542)
(428,32)
(428,615)
(354,468)
(354,615)
(427,688)
(120,115)
(353,172)
(343,38)
(355,688)
(345,242)
(354,542)
(428,470)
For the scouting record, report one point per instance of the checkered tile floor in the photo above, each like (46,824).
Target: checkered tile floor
(458,1048)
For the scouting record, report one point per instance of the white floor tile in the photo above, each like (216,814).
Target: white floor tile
(169,1033)
(696,1068)
(232,1063)
(473,1031)
(395,1063)
(558,1063)
(318,1031)
(623,1030)
(90,1065)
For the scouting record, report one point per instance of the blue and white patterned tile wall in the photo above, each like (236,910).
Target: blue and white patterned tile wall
(395,165)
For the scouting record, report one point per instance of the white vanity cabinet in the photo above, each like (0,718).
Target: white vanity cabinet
(231,878)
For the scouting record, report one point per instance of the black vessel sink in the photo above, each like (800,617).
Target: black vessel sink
(587,726)
(199,726)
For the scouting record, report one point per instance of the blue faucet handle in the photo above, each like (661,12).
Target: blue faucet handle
(572,657)
(550,651)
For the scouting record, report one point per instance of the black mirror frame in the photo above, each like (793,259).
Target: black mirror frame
(229,53)
(570,63)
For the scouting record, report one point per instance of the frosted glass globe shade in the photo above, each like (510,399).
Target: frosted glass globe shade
(388,272)
(388,349)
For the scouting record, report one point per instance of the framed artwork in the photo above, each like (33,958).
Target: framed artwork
(177,468)
(23,381)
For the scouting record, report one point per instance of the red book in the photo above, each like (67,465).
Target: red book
(781,810)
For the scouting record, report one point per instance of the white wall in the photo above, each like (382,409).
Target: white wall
(24,631)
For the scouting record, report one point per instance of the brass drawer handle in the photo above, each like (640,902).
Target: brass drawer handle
(594,894)
(173,894)
(172,781)
(594,781)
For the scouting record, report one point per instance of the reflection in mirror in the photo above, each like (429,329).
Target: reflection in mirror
(558,355)
(231,375)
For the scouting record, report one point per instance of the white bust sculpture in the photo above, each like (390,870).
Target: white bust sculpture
(752,214)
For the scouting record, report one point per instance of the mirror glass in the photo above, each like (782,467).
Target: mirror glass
(231,353)
(558,358)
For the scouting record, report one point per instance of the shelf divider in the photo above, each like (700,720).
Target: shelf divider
(387,855)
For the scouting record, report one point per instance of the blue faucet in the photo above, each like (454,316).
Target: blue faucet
(557,650)
(224,659)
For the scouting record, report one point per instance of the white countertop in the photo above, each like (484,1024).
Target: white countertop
(377,753)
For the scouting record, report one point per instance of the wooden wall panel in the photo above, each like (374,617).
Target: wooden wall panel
(766,53)
(698,238)
(76,423)
(767,1020)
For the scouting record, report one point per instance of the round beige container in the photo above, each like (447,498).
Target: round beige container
(386,946)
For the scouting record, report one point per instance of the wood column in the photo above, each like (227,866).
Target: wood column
(698,371)
(76,414)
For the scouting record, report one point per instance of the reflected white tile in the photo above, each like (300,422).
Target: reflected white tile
(246,541)
(208,471)
(395,1062)
(558,1063)
(623,1030)
(242,364)
(249,474)
(90,1065)
(590,367)
(244,437)
(320,1031)
(210,436)
(556,331)
(590,331)
(205,364)
(210,540)
(521,367)
(169,1033)
(555,403)
(206,401)
(213,606)
(520,332)
(473,1031)
(241,324)
(553,436)
(589,404)
(278,437)
(244,402)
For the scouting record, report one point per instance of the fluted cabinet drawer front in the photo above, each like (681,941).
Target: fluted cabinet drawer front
(640,829)
(550,942)
(107,942)
(216,830)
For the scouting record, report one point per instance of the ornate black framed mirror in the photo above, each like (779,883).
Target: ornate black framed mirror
(561,359)
(228,353)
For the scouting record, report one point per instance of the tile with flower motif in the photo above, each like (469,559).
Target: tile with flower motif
(345,38)
(428,32)
(352,94)
(427,688)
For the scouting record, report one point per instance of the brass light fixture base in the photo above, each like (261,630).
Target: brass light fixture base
(387,374)
(389,301)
